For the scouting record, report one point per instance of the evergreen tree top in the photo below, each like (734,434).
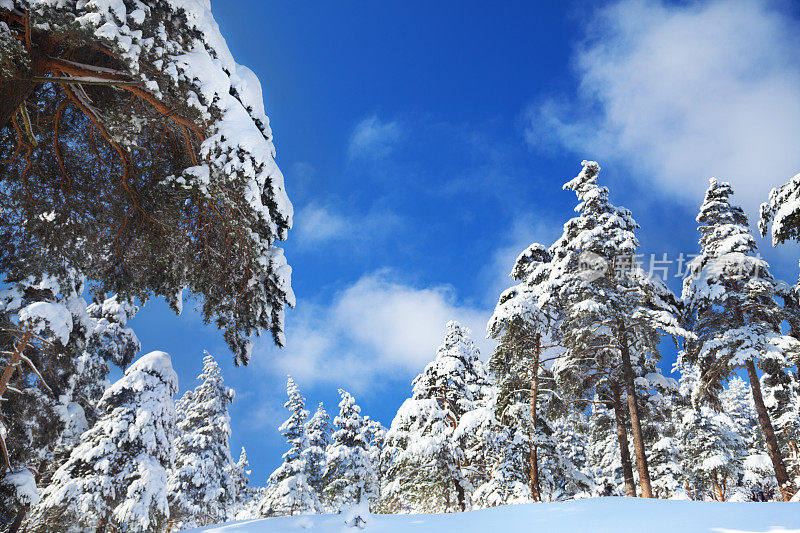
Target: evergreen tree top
(601,228)
(293,428)
(723,227)
(728,268)
(783,211)
(211,378)
(318,428)
(349,422)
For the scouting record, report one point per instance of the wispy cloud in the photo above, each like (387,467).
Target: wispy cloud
(324,224)
(373,138)
(375,328)
(681,92)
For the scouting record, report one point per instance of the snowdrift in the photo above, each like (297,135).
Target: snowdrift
(596,515)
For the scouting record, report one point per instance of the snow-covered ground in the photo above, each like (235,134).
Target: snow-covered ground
(597,515)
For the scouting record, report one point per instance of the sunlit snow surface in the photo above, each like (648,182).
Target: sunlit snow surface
(597,515)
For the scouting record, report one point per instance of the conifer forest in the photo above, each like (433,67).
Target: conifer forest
(138,165)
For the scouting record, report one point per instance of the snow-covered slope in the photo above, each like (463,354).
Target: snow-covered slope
(597,515)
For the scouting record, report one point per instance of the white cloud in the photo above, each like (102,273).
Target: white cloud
(376,327)
(373,138)
(684,92)
(317,224)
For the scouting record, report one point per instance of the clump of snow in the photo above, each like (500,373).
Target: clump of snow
(24,486)
(48,315)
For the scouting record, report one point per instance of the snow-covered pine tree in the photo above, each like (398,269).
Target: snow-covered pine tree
(424,462)
(36,345)
(570,436)
(116,478)
(456,377)
(759,479)
(147,92)
(477,437)
(199,485)
(289,490)
(613,314)
(318,437)
(782,399)
(710,448)
(521,327)
(349,477)
(731,305)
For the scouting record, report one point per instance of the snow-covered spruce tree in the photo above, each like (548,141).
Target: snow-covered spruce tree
(612,314)
(426,463)
(104,335)
(508,482)
(375,435)
(111,341)
(115,480)
(349,478)
(662,431)
(199,485)
(289,490)
(609,457)
(521,326)
(240,480)
(730,297)
(758,482)
(148,93)
(318,437)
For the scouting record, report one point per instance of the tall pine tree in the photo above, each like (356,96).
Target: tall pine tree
(732,306)
(613,314)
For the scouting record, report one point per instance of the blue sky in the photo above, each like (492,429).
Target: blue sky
(424,146)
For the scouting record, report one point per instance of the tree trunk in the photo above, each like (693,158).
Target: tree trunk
(636,424)
(17,521)
(462,497)
(622,436)
(536,491)
(769,433)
